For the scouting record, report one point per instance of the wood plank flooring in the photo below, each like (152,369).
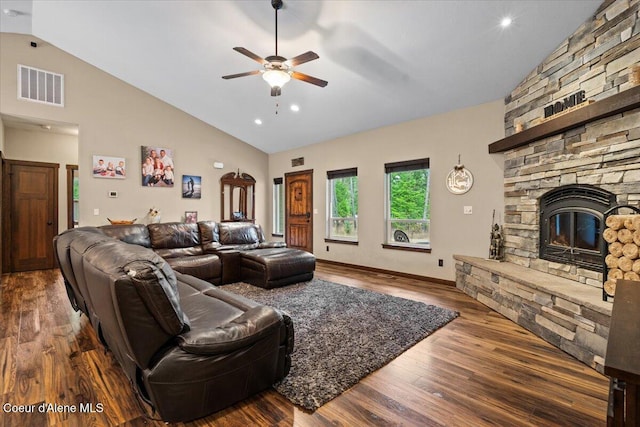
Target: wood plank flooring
(479,370)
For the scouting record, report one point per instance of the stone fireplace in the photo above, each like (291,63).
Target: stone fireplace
(560,176)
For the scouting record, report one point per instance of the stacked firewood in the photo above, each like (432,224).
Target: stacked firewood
(623,261)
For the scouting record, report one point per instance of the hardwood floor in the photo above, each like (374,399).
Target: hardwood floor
(479,370)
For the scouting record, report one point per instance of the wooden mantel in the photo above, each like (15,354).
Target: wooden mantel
(615,104)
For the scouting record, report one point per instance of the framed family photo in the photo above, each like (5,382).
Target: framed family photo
(191,186)
(191,217)
(109,167)
(157,166)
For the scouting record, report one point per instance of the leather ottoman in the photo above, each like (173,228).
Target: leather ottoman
(275,267)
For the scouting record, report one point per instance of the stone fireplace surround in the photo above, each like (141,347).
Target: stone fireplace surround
(559,302)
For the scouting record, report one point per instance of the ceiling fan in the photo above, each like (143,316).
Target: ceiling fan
(278,70)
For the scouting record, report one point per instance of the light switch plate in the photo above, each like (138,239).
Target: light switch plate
(468,210)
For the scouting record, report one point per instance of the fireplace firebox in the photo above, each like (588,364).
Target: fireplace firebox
(571,225)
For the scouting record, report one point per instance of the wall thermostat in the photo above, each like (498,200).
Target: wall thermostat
(113,193)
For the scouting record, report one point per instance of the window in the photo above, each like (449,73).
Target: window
(408,208)
(342,191)
(278,207)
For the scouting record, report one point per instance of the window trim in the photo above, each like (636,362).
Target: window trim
(407,165)
(342,173)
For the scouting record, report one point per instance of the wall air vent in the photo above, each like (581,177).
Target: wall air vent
(40,86)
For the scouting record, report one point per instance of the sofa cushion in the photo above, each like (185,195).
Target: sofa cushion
(240,332)
(238,233)
(207,266)
(158,290)
(152,277)
(136,234)
(187,252)
(171,235)
(209,235)
(62,245)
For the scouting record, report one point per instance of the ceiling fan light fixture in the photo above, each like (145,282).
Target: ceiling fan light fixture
(276,78)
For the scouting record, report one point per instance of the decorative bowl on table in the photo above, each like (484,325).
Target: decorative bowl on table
(121,221)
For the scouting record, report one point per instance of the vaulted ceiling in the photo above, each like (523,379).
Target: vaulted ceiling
(386,61)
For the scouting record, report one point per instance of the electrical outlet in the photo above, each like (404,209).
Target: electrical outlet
(468,210)
(96,211)
(440,263)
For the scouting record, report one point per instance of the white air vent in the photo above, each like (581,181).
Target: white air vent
(40,86)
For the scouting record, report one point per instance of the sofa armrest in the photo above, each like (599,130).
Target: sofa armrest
(251,326)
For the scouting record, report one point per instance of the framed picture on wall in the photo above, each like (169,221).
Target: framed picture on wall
(109,167)
(191,186)
(157,166)
(191,217)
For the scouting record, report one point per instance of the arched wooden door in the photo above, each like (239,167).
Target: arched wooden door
(299,210)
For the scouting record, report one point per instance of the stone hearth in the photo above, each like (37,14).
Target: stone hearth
(565,313)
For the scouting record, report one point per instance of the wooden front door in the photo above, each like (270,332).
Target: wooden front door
(299,208)
(33,214)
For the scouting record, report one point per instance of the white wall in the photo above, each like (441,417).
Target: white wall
(116,119)
(36,146)
(441,138)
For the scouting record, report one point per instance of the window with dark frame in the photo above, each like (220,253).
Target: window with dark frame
(408,206)
(278,207)
(342,203)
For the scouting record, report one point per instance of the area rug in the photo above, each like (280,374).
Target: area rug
(342,334)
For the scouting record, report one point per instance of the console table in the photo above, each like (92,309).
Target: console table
(622,362)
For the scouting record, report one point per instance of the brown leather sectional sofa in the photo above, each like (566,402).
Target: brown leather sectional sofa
(188,347)
(221,253)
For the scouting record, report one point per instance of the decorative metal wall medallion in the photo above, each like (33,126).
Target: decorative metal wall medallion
(459,180)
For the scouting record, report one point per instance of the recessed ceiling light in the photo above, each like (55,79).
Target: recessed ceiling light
(295,107)
(506,21)
(257,121)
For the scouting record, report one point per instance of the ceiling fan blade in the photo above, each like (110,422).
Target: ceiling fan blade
(248,73)
(309,79)
(251,55)
(301,59)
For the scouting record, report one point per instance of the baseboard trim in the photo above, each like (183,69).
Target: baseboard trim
(391,272)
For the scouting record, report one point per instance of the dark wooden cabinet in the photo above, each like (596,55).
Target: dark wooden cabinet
(237,197)
(622,362)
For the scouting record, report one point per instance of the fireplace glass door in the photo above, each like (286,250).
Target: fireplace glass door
(577,230)
(571,225)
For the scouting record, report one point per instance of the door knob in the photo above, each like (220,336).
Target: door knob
(49,223)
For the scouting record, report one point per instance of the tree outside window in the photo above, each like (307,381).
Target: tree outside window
(342,220)
(408,205)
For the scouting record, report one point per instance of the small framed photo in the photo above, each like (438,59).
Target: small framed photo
(191,187)
(109,167)
(191,217)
